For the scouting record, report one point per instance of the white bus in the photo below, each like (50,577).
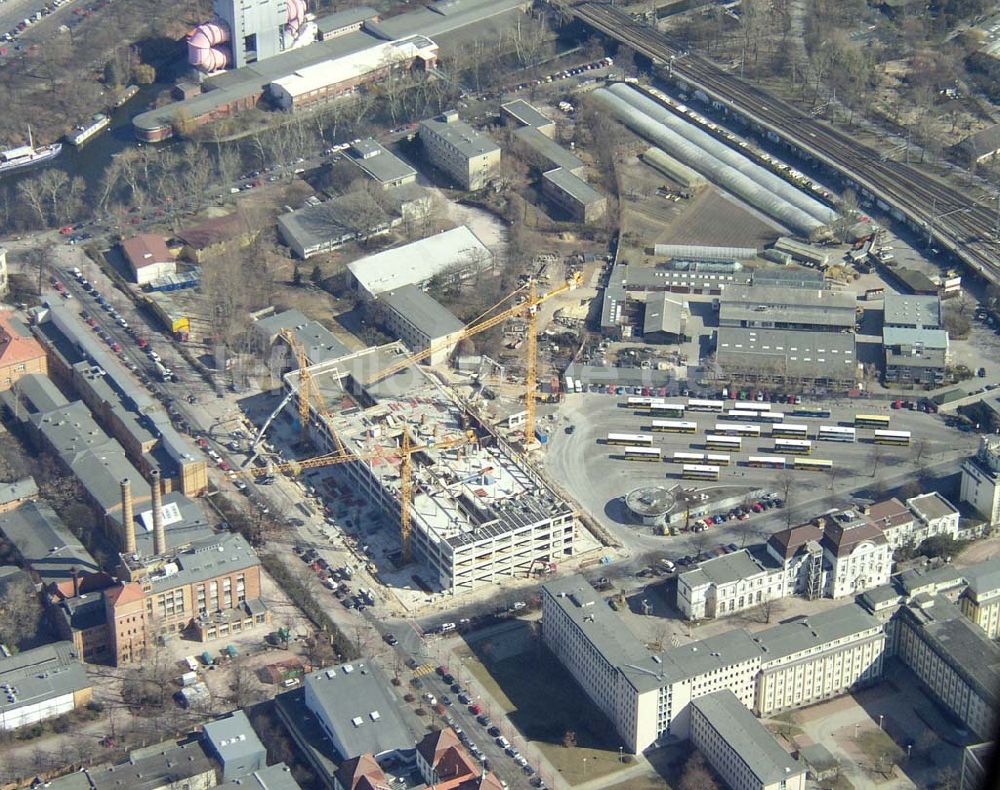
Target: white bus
(714,406)
(752,405)
(770,416)
(767,461)
(631,439)
(790,430)
(661,408)
(739,414)
(674,426)
(900,438)
(639,403)
(793,446)
(642,453)
(736,429)
(700,472)
(727,443)
(717,459)
(688,458)
(836,433)
(813,465)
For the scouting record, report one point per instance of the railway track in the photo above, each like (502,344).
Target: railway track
(954,221)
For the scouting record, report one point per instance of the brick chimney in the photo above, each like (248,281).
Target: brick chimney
(159,534)
(128,518)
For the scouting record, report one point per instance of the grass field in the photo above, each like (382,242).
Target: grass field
(544,704)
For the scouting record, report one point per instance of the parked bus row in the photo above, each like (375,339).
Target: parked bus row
(780,462)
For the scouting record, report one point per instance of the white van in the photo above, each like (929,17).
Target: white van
(446,627)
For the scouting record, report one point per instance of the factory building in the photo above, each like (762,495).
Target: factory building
(479,514)
(469,157)
(646,695)
(915,356)
(797,309)
(457,253)
(340,23)
(906,311)
(148,258)
(788,357)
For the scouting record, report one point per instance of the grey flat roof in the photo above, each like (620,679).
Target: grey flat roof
(960,642)
(19,489)
(426,313)
(725,569)
(611,305)
(984,577)
(554,154)
(912,310)
(747,737)
(165,765)
(39,391)
(931,339)
(466,140)
(919,579)
(41,674)
(596,374)
(814,630)
(46,543)
(442,17)
(574,186)
(207,558)
(319,343)
(789,352)
(233,738)
(788,277)
(349,16)
(605,630)
(351,692)
(931,505)
(380,163)
(641,278)
(274,777)
(663,314)
(787,305)
(335,220)
(526,113)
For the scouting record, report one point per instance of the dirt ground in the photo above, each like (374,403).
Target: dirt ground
(979,551)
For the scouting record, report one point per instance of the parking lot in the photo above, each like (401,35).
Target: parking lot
(598,475)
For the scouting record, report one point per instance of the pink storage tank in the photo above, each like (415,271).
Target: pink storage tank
(204,51)
(296,15)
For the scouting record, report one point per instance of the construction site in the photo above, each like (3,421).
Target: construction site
(472,509)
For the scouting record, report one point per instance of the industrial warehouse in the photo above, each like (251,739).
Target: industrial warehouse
(477,512)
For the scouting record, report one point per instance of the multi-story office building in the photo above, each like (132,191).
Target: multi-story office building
(953,658)
(980,601)
(976,761)
(471,158)
(856,552)
(981,480)
(646,695)
(895,520)
(800,554)
(420,321)
(935,515)
(740,748)
(915,356)
(729,584)
(573,195)
(813,658)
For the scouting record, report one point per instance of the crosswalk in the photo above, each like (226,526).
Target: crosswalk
(423,669)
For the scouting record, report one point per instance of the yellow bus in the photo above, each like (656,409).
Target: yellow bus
(813,465)
(871,421)
(700,472)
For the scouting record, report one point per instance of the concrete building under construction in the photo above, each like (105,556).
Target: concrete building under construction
(479,513)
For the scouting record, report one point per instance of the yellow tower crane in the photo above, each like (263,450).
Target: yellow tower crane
(309,394)
(406,451)
(528,310)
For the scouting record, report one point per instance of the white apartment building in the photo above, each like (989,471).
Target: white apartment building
(935,516)
(981,480)
(647,695)
(729,584)
(895,520)
(740,748)
(798,551)
(451,145)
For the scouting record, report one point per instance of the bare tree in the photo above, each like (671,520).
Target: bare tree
(696,774)
(20,611)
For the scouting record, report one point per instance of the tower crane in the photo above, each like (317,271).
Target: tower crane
(309,393)
(406,451)
(528,309)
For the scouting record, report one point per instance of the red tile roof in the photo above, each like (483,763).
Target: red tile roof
(15,347)
(361,773)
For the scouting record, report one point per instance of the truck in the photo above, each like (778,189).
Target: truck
(163,372)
